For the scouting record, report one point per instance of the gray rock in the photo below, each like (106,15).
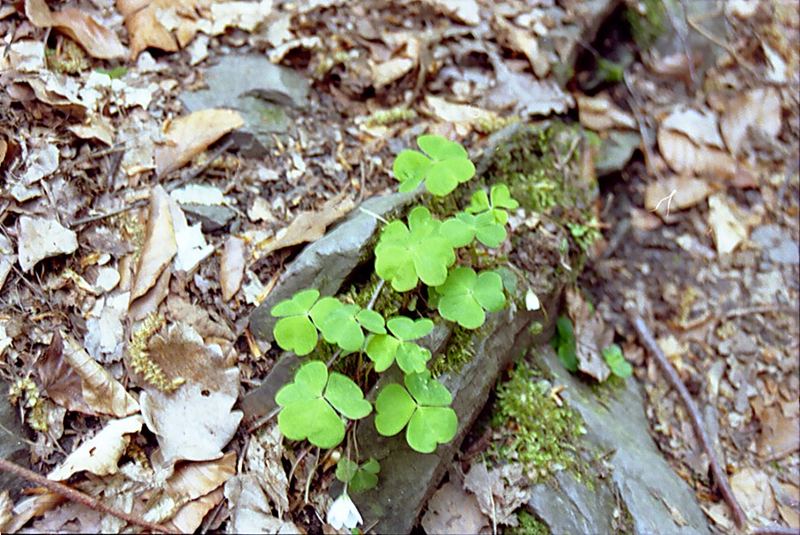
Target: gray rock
(12,447)
(211,217)
(657,500)
(259,90)
(776,244)
(616,151)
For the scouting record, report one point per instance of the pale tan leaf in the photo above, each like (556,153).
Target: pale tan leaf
(100,454)
(6,505)
(59,380)
(308,226)
(95,127)
(264,459)
(524,41)
(205,398)
(149,302)
(31,507)
(674,193)
(462,115)
(192,246)
(231,267)
(600,113)
(685,157)
(189,135)
(779,435)
(788,499)
(198,317)
(465,11)
(40,238)
(144,29)
(759,109)
(753,492)
(100,390)
(388,71)
(243,15)
(728,231)
(454,510)
(96,39)
(159,244)
(192,480)
(700,127)
(250,510)
(190,516)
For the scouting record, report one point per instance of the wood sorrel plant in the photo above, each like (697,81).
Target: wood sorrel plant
(317,404)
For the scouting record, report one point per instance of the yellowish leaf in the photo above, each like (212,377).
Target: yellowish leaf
(231,267)
(159,244)
(600,113)
(675,193)
(728,231)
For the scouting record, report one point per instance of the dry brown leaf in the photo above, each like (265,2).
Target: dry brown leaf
(144,29)
(453,510)
(759,109)
(181,310)
(465,11)
(728,230)
(6,505)
(753,492)
(264,459)
(308,226)
(189,135)
(701,127)
(779,436)
(250,510)
(159,244)
(500,491)
(100,390)
(192,246)
(685,157)
(193,480)
(788,500)
(231,267)
(100,454)
(59,380)
(674,193)
(462,115)
(205,399)
(526,42)
(40,238)
(31,507)
(388,71)
(96,39)
(600,113)
(190,516)
(95,127)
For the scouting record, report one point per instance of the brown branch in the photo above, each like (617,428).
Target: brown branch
(79,497)
(720,478)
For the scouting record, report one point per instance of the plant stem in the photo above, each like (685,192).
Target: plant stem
(375,294)
(79,497)
(720,478)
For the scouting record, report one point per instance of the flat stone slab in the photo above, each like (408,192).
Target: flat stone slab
(259,90)
(657,500)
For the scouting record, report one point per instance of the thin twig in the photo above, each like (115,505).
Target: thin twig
(375,294)
(311,477)
(79,497)
(725,46)
(775,530)
(373,214)
(111,213)
(264,419)
(720,478)
(194,173)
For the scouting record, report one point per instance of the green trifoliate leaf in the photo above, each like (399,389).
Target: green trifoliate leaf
(456,231)
(412,358)
(295,331)
(381,349)
(358,478)
(465,296)
(427,390)
(405,255)
(501,197)
(371,321)
(444,165)
(479,202)
(393,409)
(431,426)
(345,470)
(484,227)
(307,405)
(407,329)
(385,349)
(339,326)
(495,203)
(616,361)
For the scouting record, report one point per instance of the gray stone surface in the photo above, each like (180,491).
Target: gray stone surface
(259,90)
(210,217)
(12,446)
(776,244)
(656,498)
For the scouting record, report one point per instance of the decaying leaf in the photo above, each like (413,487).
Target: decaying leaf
(59,380)
(263,458)
(250,510)
(388,71)
(40,238)
(453,510)
(525,94)
(192,246)
(190,516)
(600,113)
(500,491)
(181,310)
(144,28)
(159,244)
(308,226)
(465,11)
(231,267)
(759,109)
(100,454)
(31,507)
(591,336)
(779,436)
(524,41)
(753,492)
(462,115)
(209,390)
(104,329)
(96,39)
(95,127)
(728,230)
(684,156)
(189,135)
(102,393)
(674,193)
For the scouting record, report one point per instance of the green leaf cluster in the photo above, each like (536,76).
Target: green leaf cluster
(486,215)
(564,344)
(358,478)
(383,349)
(444,165)
(616,361)
(466,296)
(305,313)
(421,407)
(423,250)
(313,404)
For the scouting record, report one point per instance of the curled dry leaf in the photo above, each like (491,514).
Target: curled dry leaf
(753,492)
(102,393)
(189,135)
(686,157)
(388,71)
(40,238)
(779,435)
(100,454)
(600,113)
(159,244)
(231,267)
(59,380)
(308,226)
(500,491)
(759,109)
(190,516)
(205,399)
(99,41)
(728,230)
(192,246)
(525,42)
(465,11)
(462,115)
(144,28)
(674,193)
(31,507)
(453,510)
(95,127)
(250,510)
(264,459)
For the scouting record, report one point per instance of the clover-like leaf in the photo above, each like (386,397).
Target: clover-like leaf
(406,254)
(466,295)
(371,321)
(444,165)
(358,478)
(501,197)
(479,202)
(565,345)
(309,405)
(421,407)
(616,361)
(295,331)
(341,323)
(485,227)
(385,349)
(494,203)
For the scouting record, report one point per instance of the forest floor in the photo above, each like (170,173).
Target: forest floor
(141,221)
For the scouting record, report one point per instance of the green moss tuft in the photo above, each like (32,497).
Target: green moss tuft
(647,22)
(536,431)
(459,351)
(528,525)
